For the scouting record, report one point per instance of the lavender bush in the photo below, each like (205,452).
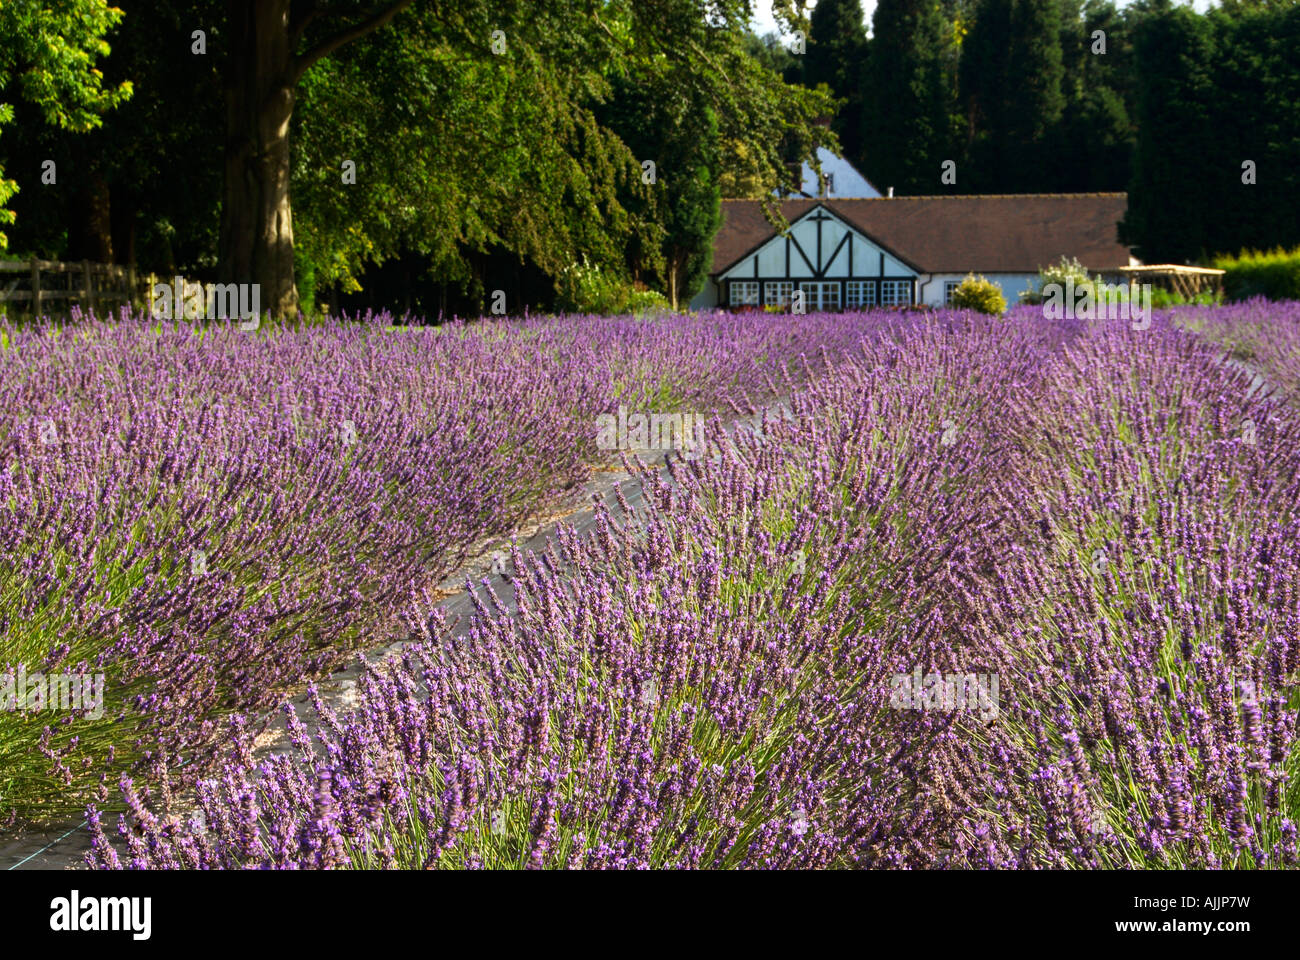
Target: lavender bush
(210,517)
(1071,510)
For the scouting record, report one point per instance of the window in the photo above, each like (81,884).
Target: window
(895,292)
(744,293)
(949,287)
(821,297)
(859,293)
(778,293)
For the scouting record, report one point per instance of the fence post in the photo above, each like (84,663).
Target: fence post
(130,286)
(36,288)
(90,288)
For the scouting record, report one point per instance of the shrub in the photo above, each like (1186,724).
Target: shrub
(1162,298)
(647,301)
(234,542)
(1068,269)
(589,288)
(305,275)
(1274,275)
(979,293)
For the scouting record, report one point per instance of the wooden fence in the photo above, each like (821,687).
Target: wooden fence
(37,283)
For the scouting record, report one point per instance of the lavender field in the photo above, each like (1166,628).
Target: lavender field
(210,517)
(975,592)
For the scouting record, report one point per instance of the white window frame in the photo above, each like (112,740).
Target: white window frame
(743,293)
(859,294)
(895,292)
(778,293)
(949,288)
(815,296)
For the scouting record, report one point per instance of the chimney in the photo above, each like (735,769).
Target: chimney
(891,193)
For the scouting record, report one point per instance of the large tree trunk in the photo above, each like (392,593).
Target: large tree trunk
(123,223)
(91,236)
(256,220)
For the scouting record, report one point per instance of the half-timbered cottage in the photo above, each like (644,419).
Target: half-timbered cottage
(891,251)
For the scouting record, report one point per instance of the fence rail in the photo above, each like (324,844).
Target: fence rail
(35,283)
(90,284)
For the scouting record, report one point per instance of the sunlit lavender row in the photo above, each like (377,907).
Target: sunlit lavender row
(993,593)
(210,516)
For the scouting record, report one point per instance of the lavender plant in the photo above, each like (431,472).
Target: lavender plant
(212,517)
(1075,511)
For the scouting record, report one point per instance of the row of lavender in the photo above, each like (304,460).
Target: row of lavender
(208,517)
(1073,521)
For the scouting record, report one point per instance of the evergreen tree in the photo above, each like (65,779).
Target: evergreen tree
(836,56)
(1094,140)
(906,121)
(1168,208)
(1012,75)
(1256,118)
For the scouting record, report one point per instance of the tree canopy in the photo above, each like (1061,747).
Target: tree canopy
(353,133)
(295,140)
(50,53)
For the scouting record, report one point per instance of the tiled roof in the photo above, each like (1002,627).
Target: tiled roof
(994,233)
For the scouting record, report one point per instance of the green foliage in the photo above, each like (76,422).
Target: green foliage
(589,288)
(1175,51)
(979,293)
(52,51)
(490,151)
(908,113)
(538,151)
(647,301)
(742,177)
(837,57)
(1215,91)
(462,153)
(1274,274)
(1012,74)
(1063,273)
(663,122)
(1093,142)
(1162,298)
(305,273)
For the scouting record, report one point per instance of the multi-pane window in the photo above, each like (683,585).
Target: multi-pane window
(744,293)
(823,297)
(895,292)
(949,288)
(778,293)
(859,293)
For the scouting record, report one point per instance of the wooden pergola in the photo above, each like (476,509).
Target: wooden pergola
(1187,281)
